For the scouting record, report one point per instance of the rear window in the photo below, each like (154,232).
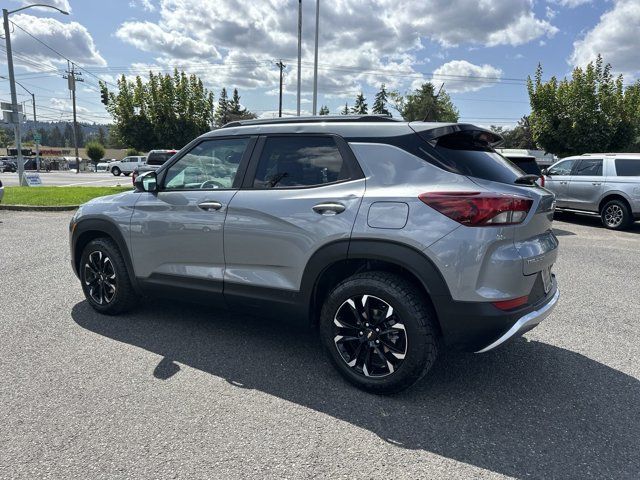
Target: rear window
(469,153)
(527,164)
(158,158)
(627,167)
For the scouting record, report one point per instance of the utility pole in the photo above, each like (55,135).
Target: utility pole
(72,76)
(315,61)
(35,132)
(299,54)
(15,118)
(281,66)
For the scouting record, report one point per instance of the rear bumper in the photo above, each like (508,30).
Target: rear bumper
(480,326)
(525,323)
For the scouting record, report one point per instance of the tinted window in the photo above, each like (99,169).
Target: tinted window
(526,164)
(210,164)
(628,167)
(158,158)
(562,168)
(469,153)
(590,167)
(299,162)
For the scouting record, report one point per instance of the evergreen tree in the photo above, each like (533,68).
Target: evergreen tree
(324,110)
(424,104)
(102,138)
(380,102)
(222,110)
(234,104)
(345,110)
(360,107)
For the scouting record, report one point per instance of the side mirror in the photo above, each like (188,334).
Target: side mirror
(146,182)
(544,171)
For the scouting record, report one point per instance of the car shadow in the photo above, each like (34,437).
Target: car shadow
(590,221)
(527,410)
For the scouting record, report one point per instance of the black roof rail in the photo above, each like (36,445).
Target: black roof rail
(316,119)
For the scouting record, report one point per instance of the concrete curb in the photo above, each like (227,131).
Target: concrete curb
(39,208)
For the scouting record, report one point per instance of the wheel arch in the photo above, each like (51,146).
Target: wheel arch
(614,195)
(335,262)
(90,229)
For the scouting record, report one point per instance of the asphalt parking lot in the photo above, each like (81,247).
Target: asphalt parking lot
(68,179)
(176,391)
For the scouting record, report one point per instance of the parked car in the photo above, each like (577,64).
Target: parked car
(105,164)
(8,166)
(607,184)
(396,238)
(155,159)
(127,165)
(527,164)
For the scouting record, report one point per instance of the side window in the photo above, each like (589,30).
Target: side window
(562,168)
(210,164)
(126,159)
(590,167)
(299,161)
(627,167)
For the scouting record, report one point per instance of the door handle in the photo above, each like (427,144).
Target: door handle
(210,206)
(329,208)
(596,183)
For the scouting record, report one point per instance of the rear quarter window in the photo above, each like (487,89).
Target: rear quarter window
(627,167)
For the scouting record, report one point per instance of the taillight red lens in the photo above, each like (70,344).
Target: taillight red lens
(511,304)
(542,180)
(477,209)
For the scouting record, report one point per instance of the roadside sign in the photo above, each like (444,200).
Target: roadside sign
(7,106)
(37,137)
(32,179)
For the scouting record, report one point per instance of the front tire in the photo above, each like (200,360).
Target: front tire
(379,332)
(116,171)
(104,278)
(615,215)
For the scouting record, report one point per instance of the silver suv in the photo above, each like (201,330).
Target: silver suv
(603,183)
(396,239)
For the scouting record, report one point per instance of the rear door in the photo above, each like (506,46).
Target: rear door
(176,233)
(557,179)
(585,185)
(300,193)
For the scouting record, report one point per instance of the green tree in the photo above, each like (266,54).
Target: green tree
(591,112)
(425,104)
(360,107)
(95,151)
(345,110)
(236,110)
(102,138)
(132,152)
(324,110)
(518,137)
(222,109)
(164,111)
(380,102)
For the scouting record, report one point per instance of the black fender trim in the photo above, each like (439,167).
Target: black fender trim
(109,229)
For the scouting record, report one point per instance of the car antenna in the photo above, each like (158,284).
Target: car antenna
(435,100)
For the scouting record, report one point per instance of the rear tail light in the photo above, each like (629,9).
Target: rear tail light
(511,304)
(542,180)
(476,209)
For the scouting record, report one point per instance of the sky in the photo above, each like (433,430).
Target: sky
(482,50)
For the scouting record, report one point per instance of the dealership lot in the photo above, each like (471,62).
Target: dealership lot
(189,392)
(66,178)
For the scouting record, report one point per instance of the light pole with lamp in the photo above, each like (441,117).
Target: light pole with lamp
(12,81)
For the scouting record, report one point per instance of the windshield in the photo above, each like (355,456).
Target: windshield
(159,158)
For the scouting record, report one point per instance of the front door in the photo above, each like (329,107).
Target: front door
(557,179)
(176,233)
(301,192)
(586,184)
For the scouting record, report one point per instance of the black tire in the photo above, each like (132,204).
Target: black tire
(116,171)
(102,256)
(126,174)
(411,314)
(615,215)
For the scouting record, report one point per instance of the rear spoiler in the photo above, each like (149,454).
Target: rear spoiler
(430,132)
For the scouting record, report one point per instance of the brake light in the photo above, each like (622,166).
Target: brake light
(511,304)
(477,209)
(542,180)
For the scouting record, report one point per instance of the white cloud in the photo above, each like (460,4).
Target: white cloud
(70,39)
(570,3)
(462,76)
(381,46)
(61,4)
(146,5)
(615,37)
(550,13)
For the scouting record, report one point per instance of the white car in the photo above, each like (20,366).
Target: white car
(127,165)
(105,165)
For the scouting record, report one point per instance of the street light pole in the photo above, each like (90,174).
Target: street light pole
(12,81)
(315,61)
(299,53)
(14,97)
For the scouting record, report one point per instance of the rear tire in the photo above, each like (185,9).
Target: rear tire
(116,171)
(379,332)
(615,215)
(105,279)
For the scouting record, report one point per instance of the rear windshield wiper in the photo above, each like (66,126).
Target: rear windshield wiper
(527,179)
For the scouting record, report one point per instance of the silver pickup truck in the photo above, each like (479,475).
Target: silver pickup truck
(604,183)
